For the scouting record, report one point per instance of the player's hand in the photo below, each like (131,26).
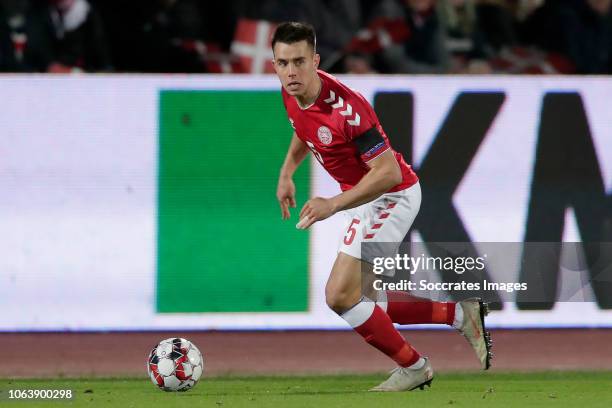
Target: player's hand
(285,193)
(315,209)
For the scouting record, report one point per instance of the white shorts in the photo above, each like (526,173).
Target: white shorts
(386,219)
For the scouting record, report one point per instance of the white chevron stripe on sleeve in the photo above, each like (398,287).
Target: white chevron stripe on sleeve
(356,121)
(348,111)
(332,97)
(338,104)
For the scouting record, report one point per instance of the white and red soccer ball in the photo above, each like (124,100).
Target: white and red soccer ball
(175,364)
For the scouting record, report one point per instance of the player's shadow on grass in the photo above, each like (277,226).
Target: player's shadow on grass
(300,392)
(329,392)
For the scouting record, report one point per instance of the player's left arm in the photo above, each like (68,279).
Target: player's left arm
(384,174)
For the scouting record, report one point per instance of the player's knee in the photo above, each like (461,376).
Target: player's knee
(339,300)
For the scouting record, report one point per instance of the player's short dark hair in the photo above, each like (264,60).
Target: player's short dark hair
(291,32)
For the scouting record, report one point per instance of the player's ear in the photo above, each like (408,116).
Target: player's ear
(317,60)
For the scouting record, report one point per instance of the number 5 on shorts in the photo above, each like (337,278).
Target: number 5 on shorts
(351,232)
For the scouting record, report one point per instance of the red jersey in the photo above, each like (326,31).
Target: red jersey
(330,126)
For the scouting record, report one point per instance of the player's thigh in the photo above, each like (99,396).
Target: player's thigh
(343,288)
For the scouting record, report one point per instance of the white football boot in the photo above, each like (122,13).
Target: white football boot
(473,329)
(407,379)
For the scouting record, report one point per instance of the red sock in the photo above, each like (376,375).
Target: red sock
(404,308)
(375,326)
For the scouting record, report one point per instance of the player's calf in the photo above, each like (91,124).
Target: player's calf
(404,308)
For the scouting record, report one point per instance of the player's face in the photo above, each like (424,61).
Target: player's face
(296,66)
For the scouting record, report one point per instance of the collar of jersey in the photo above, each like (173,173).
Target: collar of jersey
(316,99)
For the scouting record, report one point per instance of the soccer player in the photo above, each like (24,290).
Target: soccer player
(381,195)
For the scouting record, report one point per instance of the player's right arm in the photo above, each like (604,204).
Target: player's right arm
(285,192)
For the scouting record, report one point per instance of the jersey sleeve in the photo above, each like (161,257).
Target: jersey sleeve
(363,129)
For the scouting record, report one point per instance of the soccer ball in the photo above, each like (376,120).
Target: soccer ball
(175,364)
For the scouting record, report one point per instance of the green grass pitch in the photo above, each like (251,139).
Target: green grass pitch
(552,389)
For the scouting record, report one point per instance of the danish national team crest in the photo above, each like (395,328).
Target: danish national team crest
(325,135)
